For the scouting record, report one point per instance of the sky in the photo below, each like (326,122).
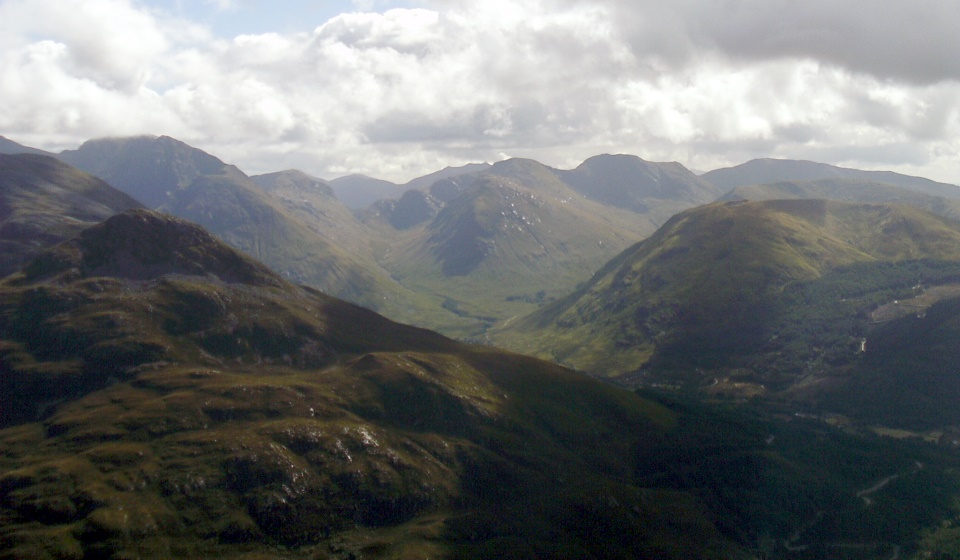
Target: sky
(397,89)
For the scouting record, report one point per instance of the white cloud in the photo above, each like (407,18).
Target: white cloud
(407,91)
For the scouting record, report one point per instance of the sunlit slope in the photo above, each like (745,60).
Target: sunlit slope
(710,289)
(44,201)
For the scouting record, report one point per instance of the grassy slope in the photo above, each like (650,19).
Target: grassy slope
(703,284)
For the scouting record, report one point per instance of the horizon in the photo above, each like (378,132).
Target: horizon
(398,89)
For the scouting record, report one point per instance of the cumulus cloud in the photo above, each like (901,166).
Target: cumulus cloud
(406,91)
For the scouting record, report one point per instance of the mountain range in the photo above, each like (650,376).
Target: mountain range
(477,246)
(186,383)
(168,396)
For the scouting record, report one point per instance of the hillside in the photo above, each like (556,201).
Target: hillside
(44,201)
(175,398)
(767,171)
(754,297)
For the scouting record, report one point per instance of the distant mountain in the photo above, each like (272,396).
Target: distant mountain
(515,238)
(848,190)
(313,202)
(629,182)
(427,181)
(8,146)
(44,202)
(760,297)
(498,242)
(359,191)
(766,171)
(293,181)
(148,168)
(167,396)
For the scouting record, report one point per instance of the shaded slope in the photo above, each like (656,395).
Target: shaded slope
(740,285)
(215,411)
(907,375)
(766,171)
(44,201)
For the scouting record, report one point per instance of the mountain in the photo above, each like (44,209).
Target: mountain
(167,396)
(627,181)
(44,202)
(516,237)
(766,171)
(8,146)
(765,298)
(426,182)
(313,202)
(148,168)
(501,241)
(359,191)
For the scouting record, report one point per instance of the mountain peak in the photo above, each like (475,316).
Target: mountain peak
(142,244)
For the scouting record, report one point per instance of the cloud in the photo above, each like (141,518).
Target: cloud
(406,91)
